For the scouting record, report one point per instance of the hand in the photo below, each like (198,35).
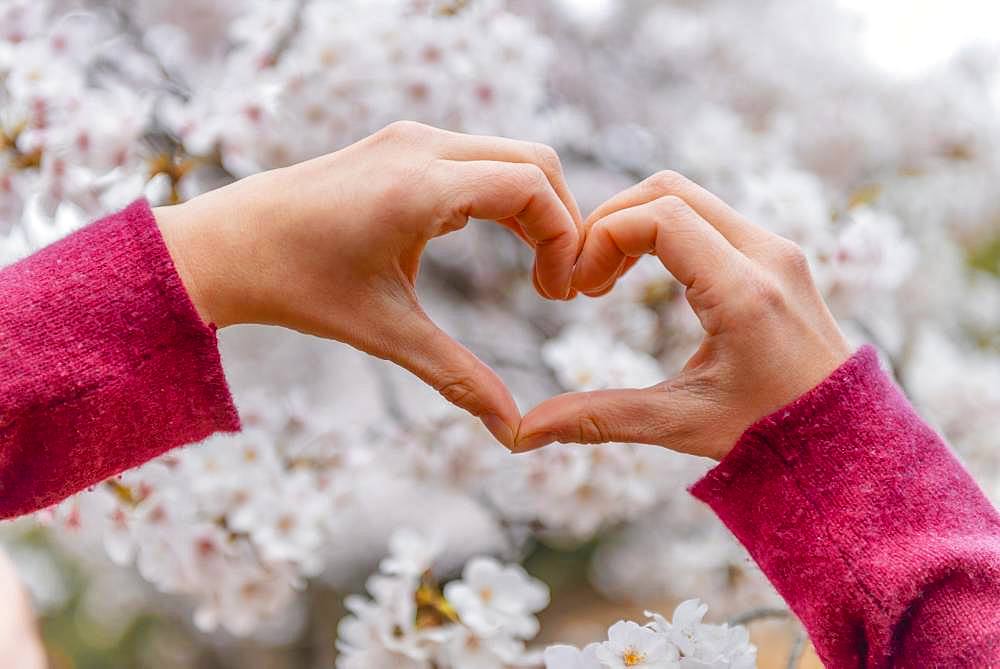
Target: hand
(769,337)
(331,246)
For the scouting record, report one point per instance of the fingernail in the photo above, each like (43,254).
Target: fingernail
(499,429)
(534,441)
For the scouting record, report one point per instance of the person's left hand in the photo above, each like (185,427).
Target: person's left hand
(332,246)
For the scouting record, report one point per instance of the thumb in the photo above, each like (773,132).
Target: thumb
(667,414)
(419,345)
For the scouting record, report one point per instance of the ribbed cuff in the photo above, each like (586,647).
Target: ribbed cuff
(862,518)
(105,362)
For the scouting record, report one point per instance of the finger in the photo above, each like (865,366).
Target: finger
(740,232)
(457,146)
(416,343)
(610,284)
(495,191)
(535,281)
(691,249)
(605,287)
(657,415)
(515,227)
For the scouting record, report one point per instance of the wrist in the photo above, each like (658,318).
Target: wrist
(185,241)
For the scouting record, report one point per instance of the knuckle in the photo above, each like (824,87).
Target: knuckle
(665,181)
(763,297)
(670,206)
(401,187)
(589,426)
(504,183)
(459,391)
(791,258)
(590,430)
(531,178)
(547,158)
(403,130)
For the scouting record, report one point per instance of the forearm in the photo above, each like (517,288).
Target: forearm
(105,357)
(868,526)
(104,362)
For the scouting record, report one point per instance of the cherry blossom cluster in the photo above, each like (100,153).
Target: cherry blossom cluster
(235,524)
(479,621)
(307,77)
(70,132)
(570,493)
(685,642)
(483,619)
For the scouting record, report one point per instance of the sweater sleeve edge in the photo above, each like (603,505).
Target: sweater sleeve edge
(759,435)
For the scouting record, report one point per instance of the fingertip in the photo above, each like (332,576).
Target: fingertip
(504,408)
(541,419)
(592,284)
(559,283)
(582,282)
(539,288)
(533,442)
(535,431)
(501,416)
(600,292)
(501,430)
(557,289)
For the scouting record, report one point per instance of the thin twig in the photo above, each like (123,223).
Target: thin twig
(798,649)
(762,613)
(897,364)
(288,37)
(129,28)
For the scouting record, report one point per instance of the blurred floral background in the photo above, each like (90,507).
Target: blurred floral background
(240,551)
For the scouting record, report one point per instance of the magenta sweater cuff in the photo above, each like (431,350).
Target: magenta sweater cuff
(104,362)
(867,524)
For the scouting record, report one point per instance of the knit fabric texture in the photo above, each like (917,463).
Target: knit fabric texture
(104,362)
(867,525)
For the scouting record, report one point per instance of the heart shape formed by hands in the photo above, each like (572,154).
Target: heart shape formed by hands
(769,337)
(332,247)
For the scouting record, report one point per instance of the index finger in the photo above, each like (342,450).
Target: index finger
(689,247)
(456,146)
(740,232)
(497,191)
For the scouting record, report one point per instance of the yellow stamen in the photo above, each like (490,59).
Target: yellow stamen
(632,658)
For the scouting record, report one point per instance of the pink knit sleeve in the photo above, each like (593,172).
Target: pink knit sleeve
(104,362)
(868,526)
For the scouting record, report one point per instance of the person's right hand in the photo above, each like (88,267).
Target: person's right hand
(332,246)
(769,336)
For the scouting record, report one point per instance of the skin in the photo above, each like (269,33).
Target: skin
(769,337)
(332,246)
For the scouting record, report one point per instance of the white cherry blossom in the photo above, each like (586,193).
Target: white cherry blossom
(570,657)
(492,596)
(631,645)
